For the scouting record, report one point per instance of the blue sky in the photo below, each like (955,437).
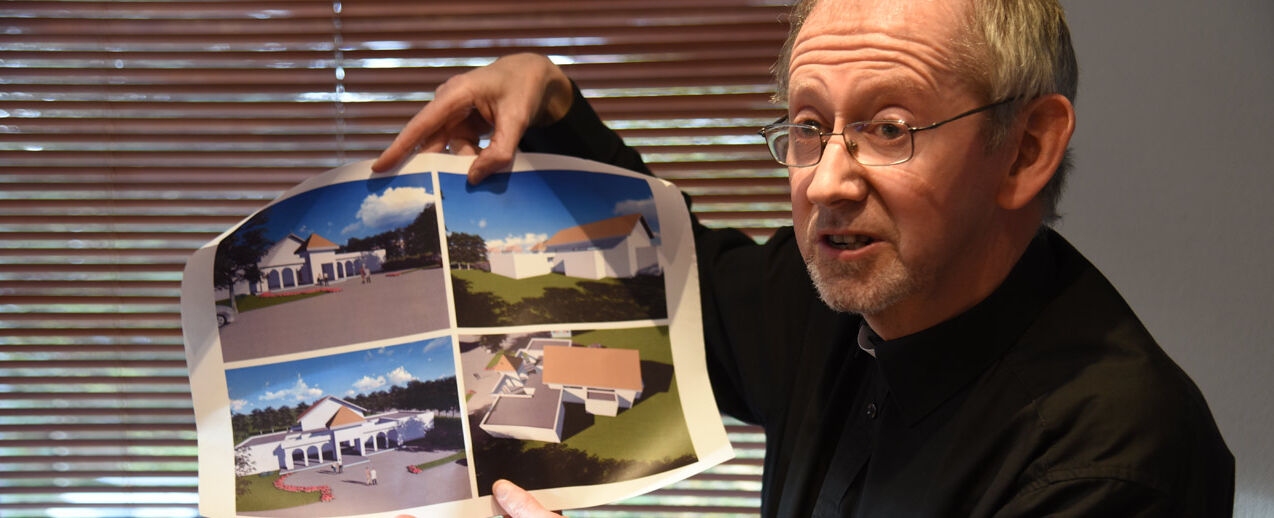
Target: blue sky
(525,208)
(341,375)
(352,209)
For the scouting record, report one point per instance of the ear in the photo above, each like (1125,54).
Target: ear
(1046,127)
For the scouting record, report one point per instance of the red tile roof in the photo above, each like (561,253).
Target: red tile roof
(317,242)
(612,227)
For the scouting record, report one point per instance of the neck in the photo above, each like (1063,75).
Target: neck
(960,287)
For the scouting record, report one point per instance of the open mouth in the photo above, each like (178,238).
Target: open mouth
(848,242)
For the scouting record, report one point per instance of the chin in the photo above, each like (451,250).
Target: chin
(857,288)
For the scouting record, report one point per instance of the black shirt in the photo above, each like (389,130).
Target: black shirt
(1047,398)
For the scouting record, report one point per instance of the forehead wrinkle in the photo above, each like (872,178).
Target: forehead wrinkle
(912,34)
(866,65)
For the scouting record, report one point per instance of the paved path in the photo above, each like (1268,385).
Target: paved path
(475,362)
(396,489)
(387,307)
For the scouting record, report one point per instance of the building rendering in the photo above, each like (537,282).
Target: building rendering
(328,430)
(619,247)
(293,262)
(548,373)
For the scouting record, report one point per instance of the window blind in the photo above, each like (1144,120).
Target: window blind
(133,132)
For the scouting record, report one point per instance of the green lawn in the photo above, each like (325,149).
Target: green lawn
(435,463)
(651,341)
(263,496)
(250,302)
(623,436)
(514,290)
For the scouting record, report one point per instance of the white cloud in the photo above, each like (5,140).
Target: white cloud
(351,228)
(369,383)
(396,206)
(350,393)
(400,376)
(645,206)
(237,405)
(525,241)
(434,345)
(482,223)
(298,392)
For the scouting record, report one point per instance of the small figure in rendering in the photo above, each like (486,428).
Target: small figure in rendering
(367,476)
(373,473)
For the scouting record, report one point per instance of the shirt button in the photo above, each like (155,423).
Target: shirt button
(871,410)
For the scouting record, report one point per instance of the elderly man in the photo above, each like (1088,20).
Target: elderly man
(952,356)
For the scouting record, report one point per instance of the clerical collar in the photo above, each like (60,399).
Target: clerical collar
(926,368)
(867,339)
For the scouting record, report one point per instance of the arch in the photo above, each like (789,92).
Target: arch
(349,268)
(272,280)
(289,278)
(340,270)
(299,457)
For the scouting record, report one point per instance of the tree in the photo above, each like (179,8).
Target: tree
(422,233)
(243,466)
(237,257)
(466,248)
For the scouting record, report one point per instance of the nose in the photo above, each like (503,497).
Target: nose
(838,177)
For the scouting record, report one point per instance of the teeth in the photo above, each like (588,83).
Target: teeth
(849,242)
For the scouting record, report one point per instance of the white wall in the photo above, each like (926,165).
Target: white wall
(1171,194)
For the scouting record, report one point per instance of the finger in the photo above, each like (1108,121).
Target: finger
(435,143)
(428,120)
(499,152)
(517,502)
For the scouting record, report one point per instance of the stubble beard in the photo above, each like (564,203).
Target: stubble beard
(860,288)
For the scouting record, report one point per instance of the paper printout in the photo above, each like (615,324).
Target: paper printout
(380,344)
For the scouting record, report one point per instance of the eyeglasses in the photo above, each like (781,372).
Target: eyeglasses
(871,143)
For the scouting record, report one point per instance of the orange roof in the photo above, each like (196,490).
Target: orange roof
(507,364)
(317,242)
(592,367)
(343,416)
(611,227)
(316,403)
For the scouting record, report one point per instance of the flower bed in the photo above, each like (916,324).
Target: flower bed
(325,492)
(413,469)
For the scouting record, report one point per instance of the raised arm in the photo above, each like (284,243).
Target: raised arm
(503,99)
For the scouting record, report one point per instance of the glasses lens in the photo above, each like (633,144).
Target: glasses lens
(881,142)
(805,146)
(777,137)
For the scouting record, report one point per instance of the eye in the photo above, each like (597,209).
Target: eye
(807,121)
(884,130)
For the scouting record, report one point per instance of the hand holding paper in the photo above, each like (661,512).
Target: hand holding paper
(504,98)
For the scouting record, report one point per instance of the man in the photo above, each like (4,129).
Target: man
(920,343)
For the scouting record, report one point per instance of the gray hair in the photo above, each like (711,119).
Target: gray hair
(1008,48)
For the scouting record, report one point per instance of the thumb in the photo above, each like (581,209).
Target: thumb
(517,502)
